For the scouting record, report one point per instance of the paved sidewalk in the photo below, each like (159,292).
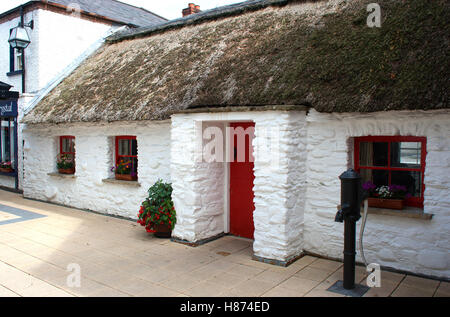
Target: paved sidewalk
(118,258)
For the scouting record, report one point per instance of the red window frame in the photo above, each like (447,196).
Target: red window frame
(72,146)
(118,157)
(414,201)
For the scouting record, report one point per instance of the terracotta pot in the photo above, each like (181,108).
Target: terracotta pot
(163,231)
(386,203)
(69,171)
(6,170)
(126,177)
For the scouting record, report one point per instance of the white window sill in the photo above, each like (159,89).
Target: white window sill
(407,212)
(121,182)
(62,175)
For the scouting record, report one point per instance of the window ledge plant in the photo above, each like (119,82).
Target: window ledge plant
(390,197)
(65,164)
(157,213)
(123,171)
(6,167)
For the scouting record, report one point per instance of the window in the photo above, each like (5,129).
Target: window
(7,146)
(67,151)
(126,152)
(18,59)
(15,59)
(393,160)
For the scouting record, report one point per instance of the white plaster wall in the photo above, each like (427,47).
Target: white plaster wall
(420,246)
(61,39)
(94,159)
(279,184)
(30,54)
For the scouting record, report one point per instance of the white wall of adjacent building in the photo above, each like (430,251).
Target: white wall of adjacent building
(56,41)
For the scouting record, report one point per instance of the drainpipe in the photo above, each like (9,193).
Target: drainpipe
(22,23)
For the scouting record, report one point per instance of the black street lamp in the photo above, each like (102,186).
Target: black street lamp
(19,39)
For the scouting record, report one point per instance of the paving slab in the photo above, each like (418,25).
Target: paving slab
(117,258)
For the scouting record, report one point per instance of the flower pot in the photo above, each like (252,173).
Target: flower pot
(125,177)
(68,171)
(6,170)
(163,231)
(386,203)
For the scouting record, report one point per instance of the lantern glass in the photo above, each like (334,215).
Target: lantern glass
(19,38)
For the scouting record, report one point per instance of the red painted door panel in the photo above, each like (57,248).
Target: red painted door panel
(241,183)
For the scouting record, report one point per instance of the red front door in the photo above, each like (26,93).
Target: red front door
(241,181)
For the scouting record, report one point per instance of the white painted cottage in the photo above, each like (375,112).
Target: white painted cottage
(313,87)
(60,32)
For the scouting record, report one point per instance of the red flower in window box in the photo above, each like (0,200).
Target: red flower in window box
(157,213)
(124,172)
(389,197)
(65,164)
(6,167)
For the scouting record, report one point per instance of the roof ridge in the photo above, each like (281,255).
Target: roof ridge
(141,8)
(203,16)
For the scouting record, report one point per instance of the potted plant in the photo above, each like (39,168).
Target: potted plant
(6,167)
(122,171)
(65,164)
(390,197)
(157,213)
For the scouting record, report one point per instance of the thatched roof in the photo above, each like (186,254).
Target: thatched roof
(275,52)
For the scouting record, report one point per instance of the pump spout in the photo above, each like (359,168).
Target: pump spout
(340,215)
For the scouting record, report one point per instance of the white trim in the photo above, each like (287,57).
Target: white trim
(226,198)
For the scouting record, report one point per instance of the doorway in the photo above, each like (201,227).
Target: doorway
(242,179)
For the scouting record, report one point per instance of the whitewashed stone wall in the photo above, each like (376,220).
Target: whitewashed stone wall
(94,158)
(201,194)
(420,246)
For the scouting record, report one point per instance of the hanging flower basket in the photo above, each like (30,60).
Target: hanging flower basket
(68,171)
(126,177)
(386,203)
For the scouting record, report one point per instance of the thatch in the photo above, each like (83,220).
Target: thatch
(320,54)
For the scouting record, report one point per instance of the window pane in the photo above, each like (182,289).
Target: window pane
(124,147)
(412,181)
(373,154)
(6,141)
(378,177)
(406,154)
(66,145)
(134,165)
(133,147)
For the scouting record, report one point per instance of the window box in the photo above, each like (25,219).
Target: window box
(386,203)
(6,170)
(69,171)
(126,177)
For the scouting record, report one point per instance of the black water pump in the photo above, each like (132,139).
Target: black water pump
(352,196)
